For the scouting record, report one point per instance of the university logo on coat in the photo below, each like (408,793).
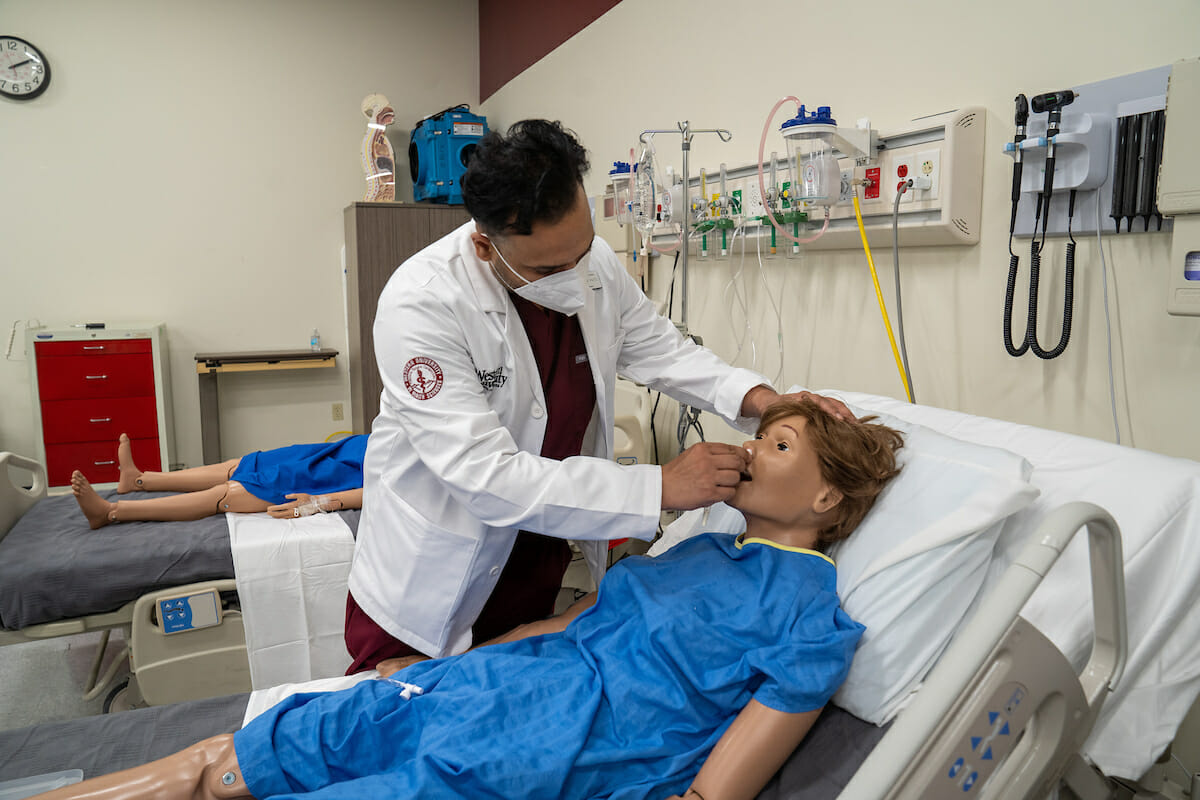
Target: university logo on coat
(422,377)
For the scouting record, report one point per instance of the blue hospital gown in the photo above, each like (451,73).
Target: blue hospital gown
(625,703)
(310,468)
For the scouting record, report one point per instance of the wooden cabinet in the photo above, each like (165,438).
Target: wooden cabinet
(379,238)
(92,385)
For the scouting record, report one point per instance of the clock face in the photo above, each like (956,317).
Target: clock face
(24,71)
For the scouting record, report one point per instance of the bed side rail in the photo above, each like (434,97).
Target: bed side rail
(1002,702)
(15,497)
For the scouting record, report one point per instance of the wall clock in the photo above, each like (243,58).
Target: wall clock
(24,71)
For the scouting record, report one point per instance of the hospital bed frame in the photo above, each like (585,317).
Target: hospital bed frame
(1003,712)
(204,662)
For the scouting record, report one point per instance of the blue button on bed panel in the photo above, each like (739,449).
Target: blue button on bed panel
(189,612)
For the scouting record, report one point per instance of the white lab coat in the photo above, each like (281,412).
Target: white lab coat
(451,471)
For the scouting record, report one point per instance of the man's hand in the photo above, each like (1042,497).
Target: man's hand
(760,398)
(703,474)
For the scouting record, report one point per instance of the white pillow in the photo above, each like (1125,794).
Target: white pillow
(915,564)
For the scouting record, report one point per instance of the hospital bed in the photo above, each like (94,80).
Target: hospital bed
(60,578)
(1109,708)
(979,673)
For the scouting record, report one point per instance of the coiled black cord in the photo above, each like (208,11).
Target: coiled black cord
(1068,294)
(1013,262)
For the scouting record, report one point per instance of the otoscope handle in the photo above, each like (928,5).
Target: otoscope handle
(1016,187)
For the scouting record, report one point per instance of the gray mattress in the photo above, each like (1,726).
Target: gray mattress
(53,567)
(820,767)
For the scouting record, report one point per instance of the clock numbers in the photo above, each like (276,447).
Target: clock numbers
(24,72)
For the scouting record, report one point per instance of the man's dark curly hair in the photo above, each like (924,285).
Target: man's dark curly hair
(532,174)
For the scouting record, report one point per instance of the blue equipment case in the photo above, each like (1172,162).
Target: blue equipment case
(438,152)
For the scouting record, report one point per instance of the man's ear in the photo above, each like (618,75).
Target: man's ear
(483,246)
(827,500)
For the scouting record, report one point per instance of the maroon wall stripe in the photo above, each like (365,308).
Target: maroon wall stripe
(515,34)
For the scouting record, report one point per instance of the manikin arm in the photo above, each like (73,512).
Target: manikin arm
(335,501)
(750,752)
(549,625)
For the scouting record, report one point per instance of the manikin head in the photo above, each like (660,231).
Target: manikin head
(813,477)
(525,192)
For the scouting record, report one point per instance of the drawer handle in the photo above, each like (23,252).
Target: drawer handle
(93,347)
(96,377)
(103,463)
(105,419)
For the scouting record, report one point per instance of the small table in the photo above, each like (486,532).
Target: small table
(210,365)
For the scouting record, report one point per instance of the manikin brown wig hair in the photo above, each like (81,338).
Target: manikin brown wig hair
(856,458)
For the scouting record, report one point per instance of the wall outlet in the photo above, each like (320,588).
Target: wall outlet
(902,170)
(338,412)
(929,164)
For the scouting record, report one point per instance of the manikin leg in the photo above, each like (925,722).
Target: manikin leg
(185,480)
(207,770)
(226,496)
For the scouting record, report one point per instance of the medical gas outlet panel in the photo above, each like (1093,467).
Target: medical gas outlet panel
(939,159)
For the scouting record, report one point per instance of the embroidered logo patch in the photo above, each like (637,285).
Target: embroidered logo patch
(492,379)
(422,377)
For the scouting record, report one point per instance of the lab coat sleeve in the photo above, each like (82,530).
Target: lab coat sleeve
(655,354)
(462,441)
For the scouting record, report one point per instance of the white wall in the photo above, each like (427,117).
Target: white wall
(190,163)
(652,63)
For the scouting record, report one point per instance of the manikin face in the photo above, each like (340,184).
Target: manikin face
(783,483)
(550,247)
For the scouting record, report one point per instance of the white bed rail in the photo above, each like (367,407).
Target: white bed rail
(920,755)
(16,499)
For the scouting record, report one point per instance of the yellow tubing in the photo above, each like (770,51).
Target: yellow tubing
(879,296)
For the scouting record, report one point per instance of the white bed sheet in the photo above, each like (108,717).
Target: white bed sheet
(291,579)
(1155,500)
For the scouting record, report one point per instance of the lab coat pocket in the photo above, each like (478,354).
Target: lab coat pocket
(439,562)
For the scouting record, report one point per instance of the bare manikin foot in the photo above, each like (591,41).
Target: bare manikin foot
(97,510)
(130,479)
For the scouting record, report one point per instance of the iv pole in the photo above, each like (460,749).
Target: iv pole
(687,132)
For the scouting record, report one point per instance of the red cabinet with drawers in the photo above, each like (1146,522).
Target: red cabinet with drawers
(92,385)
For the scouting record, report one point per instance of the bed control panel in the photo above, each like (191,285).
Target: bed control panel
(989,740)
(189,612)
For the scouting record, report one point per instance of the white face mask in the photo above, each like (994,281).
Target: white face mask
(561,292)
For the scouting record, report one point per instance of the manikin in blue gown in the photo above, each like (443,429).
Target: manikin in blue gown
(695,672)
(280,481)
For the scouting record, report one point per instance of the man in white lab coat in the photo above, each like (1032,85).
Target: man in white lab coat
(499,346)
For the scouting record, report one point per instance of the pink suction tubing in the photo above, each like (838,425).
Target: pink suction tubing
(762,189)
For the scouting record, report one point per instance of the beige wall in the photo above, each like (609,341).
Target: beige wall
(652,63)
(190,163)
